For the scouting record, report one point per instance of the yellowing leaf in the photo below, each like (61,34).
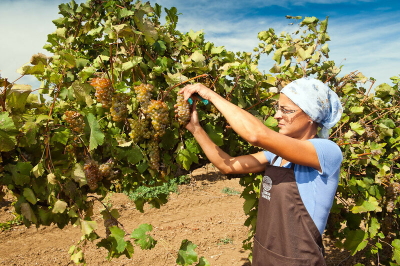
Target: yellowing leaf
(59,206)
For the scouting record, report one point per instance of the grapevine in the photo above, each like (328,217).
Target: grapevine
(45,145)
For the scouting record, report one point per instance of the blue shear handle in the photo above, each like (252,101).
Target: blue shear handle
(190,100)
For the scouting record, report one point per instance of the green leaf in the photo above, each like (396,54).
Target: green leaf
(60,206)
(132,154)
(61,135)
(82,92)
(184,158)
(87,227)
(358,110)
(396,250)
(357,128)
(96,135)
(271,122)
(8,131)
(78,257)
(30,195)
(79,175)
(28,213)
(145,26)
(215,133)
(20,172)
(371,204)
(374,227)
(141,238)
(355,241)
(203,262)
(17,96)
(117,235)
(248,205)
(38,170)
(186,253)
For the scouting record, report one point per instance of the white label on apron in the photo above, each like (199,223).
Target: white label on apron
(267,185)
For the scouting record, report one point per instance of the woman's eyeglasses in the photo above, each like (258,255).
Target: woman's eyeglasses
(283,110)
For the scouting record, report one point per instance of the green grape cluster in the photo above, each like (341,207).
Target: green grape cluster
(143,95)
(106,170)
(119,109)
(158,111)
(75,121)
(139,129)
(92,173)
(182,110)
(154,154)
(104,91)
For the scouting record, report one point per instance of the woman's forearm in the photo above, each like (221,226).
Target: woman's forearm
(217,157)
(242,122)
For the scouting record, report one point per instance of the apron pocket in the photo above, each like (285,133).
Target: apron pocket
(265,257)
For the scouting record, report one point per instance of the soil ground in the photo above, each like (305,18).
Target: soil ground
(199,212)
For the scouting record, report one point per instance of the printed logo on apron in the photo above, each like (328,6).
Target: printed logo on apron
(267,185)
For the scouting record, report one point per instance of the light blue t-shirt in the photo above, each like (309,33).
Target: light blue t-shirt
(317,189)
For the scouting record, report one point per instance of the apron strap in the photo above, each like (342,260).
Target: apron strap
(276,157)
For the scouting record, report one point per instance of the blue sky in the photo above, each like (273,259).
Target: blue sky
(365,34)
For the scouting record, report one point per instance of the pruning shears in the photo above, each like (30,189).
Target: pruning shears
(190,100)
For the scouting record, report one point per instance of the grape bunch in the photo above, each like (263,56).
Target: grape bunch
(106,171)
(139,129)
(92,173)
(75,121)
(104,91)
(119,109)
(182,110)
(143,92)
(154,154)
(158,111)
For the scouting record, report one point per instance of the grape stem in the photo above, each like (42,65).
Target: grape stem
(181,83)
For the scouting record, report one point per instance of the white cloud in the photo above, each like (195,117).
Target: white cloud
(365,43)
(23,30)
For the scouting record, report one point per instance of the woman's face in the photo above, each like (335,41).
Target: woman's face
(292,121)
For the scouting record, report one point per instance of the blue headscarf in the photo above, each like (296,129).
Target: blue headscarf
(317,100)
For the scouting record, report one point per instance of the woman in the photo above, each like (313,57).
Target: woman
(301,170)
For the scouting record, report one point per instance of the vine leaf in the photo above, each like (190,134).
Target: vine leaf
(96,135)
(88,227)
(118,235)
(8,131)
(203,262)
(60,206)
(79,175)
(396,250)
(142,239)
(30,195)
(27,212)
(186,253)
(356,241)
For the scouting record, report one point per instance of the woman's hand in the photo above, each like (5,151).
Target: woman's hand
(194,118)
(198,88)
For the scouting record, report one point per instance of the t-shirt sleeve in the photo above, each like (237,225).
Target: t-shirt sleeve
(269,155)
(329,155)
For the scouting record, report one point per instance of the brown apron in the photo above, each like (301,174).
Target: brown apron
(285,235)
